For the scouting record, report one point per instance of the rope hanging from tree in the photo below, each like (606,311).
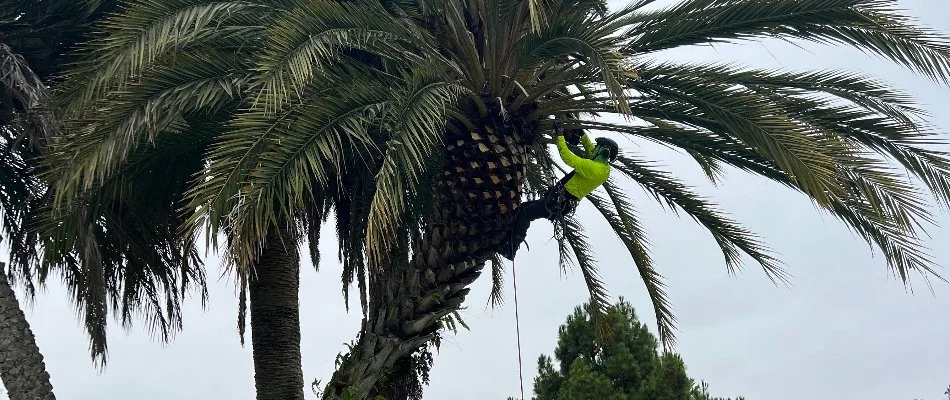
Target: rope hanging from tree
(514,281)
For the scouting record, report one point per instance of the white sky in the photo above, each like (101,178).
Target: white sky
(846,329)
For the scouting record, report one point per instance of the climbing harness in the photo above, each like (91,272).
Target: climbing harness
(560,206)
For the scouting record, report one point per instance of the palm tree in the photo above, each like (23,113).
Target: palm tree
(35,43)
(149,95)
(449,176)
(421,125)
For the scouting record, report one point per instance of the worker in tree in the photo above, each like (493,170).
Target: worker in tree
(562,198)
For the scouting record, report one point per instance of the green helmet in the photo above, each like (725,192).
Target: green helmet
(610,146)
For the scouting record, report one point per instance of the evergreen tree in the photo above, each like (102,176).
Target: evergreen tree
(623,364)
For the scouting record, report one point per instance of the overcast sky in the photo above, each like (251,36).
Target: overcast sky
(847,329)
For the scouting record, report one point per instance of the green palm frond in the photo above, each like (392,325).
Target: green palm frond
(619,214)
(901,248)
(454,35)
(593,46)
(313,138)
(578,246)
(877,118)
(417,121)
(119,246)
(880,118)
(863,91)
(733,239)
(136,40)
(127,119)
(872,25)
(313,34)
(497,295)
(499,24)
(756,122)
(883,136)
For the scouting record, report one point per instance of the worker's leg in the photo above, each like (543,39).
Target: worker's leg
(529,211)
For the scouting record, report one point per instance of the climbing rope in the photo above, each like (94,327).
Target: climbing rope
(514,281)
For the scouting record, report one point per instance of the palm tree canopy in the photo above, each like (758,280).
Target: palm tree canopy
(345,106)
(115,249)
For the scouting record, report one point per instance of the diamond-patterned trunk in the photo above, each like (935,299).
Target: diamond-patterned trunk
(474,203)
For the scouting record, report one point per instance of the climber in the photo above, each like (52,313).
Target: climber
(562,198)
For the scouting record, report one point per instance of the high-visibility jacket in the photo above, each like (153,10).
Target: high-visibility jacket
(588,174)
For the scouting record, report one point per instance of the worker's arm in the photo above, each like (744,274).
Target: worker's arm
(567,155)
(588,145)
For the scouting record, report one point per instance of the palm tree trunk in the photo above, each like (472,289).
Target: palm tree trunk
(476,199)
(21,364)
(273,289)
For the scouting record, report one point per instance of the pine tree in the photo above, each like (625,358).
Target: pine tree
(620,363)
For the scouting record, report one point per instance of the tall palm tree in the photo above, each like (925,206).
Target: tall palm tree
(422,124)
(35,43)
(488,79)
(151,92)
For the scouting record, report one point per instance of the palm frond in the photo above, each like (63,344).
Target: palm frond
(122,121)
(732,238)
(757,123)
(132,42)
(351,200)
(250,194)
(312,34)
(416,121)
(901,247)
(599,301)
(875,26)
(861,110)
(20,199)
(619,214)
(497,295)
(28,96)
(19,80)
(861,90)
(119,247)
(590,47)
(881,136)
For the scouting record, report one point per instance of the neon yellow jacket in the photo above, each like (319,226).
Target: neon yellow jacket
(589,173)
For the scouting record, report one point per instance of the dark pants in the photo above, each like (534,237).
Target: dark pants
(555,204)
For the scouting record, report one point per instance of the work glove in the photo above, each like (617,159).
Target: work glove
(558,129)
(573,136)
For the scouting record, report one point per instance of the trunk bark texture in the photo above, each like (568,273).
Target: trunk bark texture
(21,363)
(475,202)
(273,289)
